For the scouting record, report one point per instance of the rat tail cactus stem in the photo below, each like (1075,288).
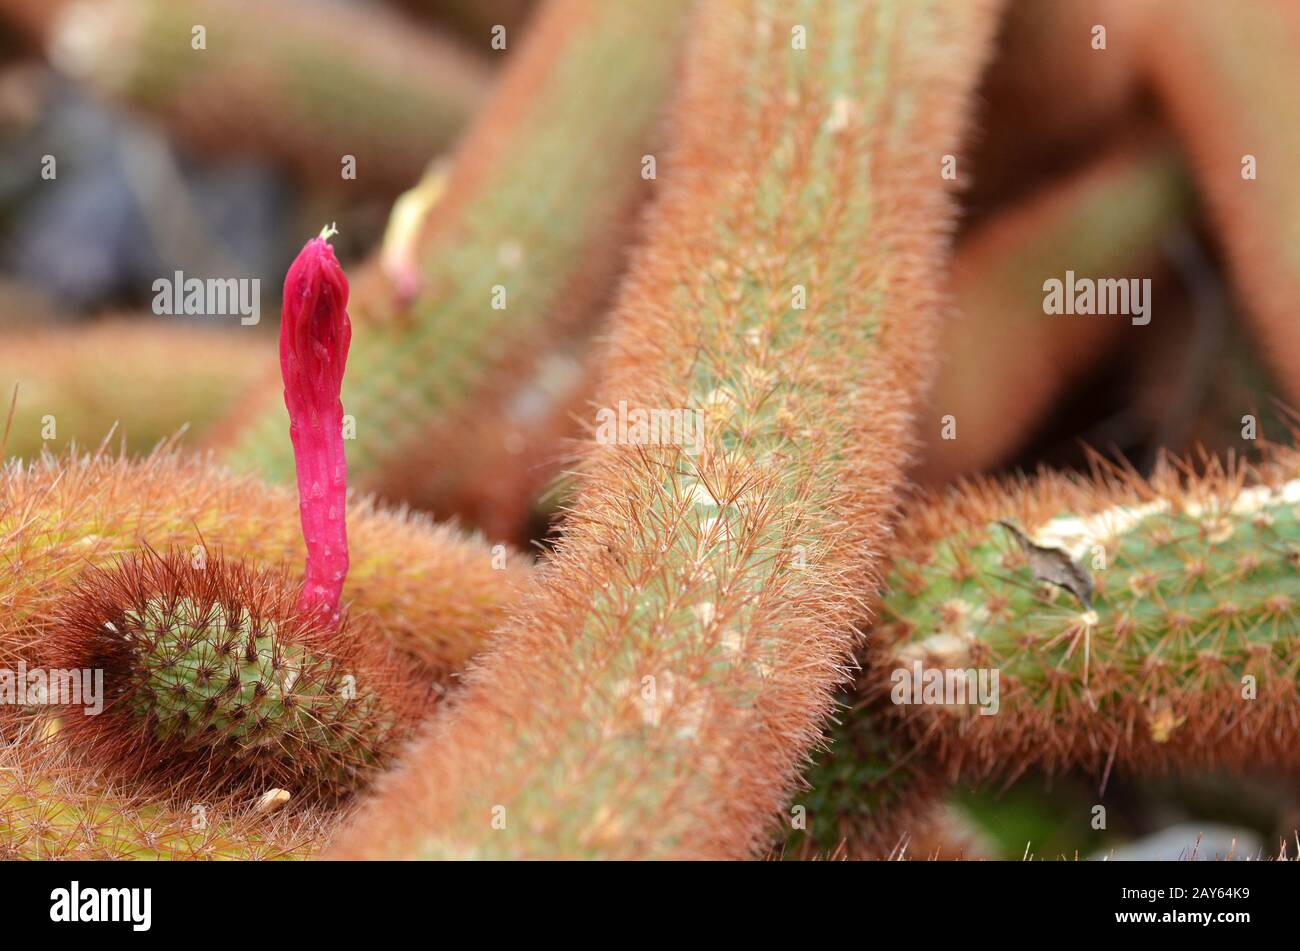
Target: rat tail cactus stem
(663,682)
(1133,625)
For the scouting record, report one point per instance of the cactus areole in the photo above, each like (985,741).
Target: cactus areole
(314,337)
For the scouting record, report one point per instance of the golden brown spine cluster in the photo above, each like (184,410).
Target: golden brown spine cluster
(213,679)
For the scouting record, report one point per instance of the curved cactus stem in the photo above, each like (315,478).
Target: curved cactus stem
(661,687)
(1183,653)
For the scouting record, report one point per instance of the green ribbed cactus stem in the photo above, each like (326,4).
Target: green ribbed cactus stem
(1136,625)
(204,671)
(306,83)
(211,680)
(517,254)
(868,791)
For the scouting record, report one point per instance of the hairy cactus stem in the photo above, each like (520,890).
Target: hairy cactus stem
(668,674)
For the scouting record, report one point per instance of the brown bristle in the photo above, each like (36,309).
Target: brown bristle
(271,714)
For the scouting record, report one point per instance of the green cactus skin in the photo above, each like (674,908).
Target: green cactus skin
(1187,655)
(210,679)
(866,790)
(543,184)
(205,672)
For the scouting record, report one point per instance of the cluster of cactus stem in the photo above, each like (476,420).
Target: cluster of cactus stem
(658,688)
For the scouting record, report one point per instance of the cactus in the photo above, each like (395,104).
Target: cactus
(1108,219)
(304,83)
(867,791)
(541,193)
(71,391)
(212,680)
(1174,645)
(1206,61)
(54,805)
(431,591)
(1181,653)
(671,668)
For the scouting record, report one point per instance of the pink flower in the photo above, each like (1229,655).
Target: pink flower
(314,337)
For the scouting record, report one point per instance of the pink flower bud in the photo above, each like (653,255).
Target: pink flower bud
(314,337)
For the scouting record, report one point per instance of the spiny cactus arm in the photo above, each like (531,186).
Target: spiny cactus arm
(55,805)
(1007,360)
(664,681)
(138,380)
(533,220)
(1184,654)
(1223,72)
(304,82)
(430,590)
(213,679)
